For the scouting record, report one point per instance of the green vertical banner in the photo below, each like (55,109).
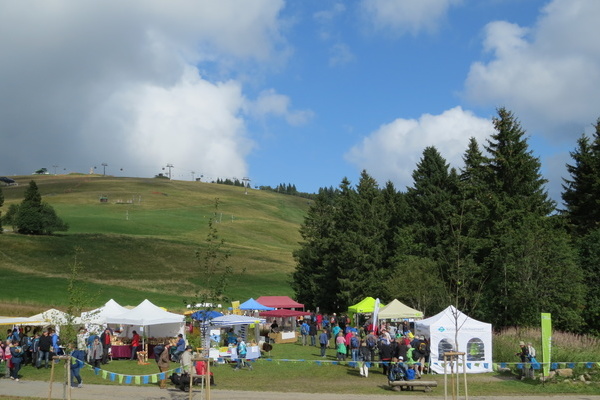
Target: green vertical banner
(546,342)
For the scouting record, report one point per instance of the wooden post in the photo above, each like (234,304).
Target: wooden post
(205,377)
(453,356)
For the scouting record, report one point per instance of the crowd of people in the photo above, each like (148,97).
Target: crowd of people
(387,343)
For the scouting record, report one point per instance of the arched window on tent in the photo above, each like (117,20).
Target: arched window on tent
(443,346)
(475,350)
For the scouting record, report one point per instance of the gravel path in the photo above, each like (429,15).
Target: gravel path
(24,389)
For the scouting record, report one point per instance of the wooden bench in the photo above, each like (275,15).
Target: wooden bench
(410,385)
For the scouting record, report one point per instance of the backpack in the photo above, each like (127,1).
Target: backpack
(371,342)
(397,373)
(304,329)
(354,343)
(423,348)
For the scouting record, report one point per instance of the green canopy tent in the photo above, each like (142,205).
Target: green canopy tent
(366,306)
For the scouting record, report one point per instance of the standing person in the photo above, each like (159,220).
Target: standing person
(354,346)
(7,358)
(304,331)
(523,354)
(106,340)
(164,362)
(82,336)
(312,332)
(17,358)
(96,353)
(340,344)
(241,355)
(56,351)
(323,340)
(186,360)
(34,349)
(371,341)
(385,355)
(76,363)
(135,345)
(44,350)
(421,353)
(364,355)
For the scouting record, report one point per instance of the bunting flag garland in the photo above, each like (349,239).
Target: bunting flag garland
(154,378)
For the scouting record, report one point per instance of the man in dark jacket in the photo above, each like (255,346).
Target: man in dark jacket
(45,346)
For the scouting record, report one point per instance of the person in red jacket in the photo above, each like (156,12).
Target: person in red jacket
(135,345)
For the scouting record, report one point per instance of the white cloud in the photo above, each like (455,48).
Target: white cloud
(547,74)
(393,151)
(118,82)
(269,102)
(407,16)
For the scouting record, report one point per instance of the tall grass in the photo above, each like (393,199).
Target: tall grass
(566,347)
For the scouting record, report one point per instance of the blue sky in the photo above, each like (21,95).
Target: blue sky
(304,92)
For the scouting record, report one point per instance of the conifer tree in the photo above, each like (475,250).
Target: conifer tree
(432,201)
(34,217)
(519,208)
(581,193)
(313,280)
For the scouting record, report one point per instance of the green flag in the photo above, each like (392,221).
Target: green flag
(546,342)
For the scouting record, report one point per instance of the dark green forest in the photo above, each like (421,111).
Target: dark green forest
(486,238)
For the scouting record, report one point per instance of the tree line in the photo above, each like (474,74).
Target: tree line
(486,238)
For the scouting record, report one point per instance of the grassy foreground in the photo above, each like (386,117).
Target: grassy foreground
(300,369)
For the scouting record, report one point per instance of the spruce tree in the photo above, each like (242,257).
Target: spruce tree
(519,209)
(314,281)
(581,192)
(34,217)
(432,201)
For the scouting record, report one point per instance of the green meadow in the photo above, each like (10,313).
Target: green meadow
(142,242)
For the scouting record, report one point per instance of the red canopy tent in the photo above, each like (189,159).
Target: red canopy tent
(282,313)
(279,302)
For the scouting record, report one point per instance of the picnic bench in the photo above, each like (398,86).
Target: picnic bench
(410,385)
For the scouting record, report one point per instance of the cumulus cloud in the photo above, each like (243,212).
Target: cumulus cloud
(407,16)
(392,152)
(547,74)
(269,102)
(118,82)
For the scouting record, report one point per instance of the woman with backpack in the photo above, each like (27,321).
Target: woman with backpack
(16,360)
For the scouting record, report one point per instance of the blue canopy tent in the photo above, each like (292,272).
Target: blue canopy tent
(254,305)
(205,315)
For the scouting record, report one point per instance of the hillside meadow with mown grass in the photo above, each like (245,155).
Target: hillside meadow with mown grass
(142,242)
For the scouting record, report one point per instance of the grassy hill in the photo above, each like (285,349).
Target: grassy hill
(141,243)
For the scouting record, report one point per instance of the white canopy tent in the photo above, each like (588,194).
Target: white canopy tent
(474,338)
(53,317)
(152,320)
(98,316)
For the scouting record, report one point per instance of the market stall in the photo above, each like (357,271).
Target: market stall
(153,323)
(288,333)
(212,340)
